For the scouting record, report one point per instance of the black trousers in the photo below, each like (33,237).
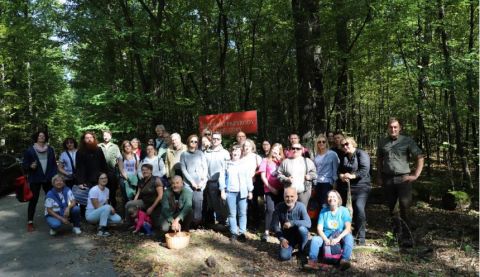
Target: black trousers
(35,188)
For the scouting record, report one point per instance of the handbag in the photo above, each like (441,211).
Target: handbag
(22,189)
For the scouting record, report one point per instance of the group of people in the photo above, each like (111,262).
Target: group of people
(168,185)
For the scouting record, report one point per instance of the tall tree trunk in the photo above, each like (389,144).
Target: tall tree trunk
(472,123)
(342,35)
(222,37)
(309,76)
(452,95)
(425,36)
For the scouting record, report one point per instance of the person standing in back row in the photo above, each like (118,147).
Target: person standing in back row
(396,177)
(112,154)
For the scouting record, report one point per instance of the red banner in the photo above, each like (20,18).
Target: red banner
(230,123)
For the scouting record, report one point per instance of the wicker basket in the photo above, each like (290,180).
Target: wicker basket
(177,240)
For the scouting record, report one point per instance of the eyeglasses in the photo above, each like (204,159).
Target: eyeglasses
(193,141)
(216,138)
(296,148)
(346,144)
(321,141)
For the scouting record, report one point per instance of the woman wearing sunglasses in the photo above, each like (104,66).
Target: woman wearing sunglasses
(326,162)
(355,169)
(194,169)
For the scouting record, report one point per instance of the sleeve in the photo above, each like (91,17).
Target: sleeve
(166,213)
(346,215)
(183,165)
(413,148)
(311,169)
(204,167)
(304,219)
(363,164)
(263,166)
(161,166)
(282,175)
(80,169)
(49,203)
(27,160)
(70,196)
(94,193)
(221,179)
(187,205)
(321,219)
(335,163)
(102,160)
(249,181)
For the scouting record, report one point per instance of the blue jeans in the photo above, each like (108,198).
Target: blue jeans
(102,216)
(54,223)
(296,236)
(237,205)
(317,242)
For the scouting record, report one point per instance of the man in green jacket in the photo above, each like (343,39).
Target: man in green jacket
(112,154)
(176,212)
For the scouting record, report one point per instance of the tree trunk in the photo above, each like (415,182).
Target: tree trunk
(309,76)
(452,96)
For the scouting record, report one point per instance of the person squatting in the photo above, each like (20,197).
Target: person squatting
(171,186)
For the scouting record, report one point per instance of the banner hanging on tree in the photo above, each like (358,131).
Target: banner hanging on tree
(230,123)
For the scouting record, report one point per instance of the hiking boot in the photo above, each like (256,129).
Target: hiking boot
(344,264)
(53,232)
(242,238)
(76,230)
(312,264)
(233,238)
(30,227)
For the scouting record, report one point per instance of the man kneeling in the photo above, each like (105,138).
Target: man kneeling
(176,212)
(291,223)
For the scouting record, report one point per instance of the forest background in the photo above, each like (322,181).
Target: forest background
(70,66)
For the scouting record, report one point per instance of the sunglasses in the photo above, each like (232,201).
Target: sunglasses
(208,134)
(296,148)
(346,144)
(321,141)
(194,141)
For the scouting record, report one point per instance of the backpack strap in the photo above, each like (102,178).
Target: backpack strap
(71,161)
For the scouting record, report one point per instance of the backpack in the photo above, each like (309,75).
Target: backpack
(22,189)
(332,253)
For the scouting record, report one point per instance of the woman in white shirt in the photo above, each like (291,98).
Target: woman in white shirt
(98,209)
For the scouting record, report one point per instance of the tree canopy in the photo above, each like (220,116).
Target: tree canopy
(303,65)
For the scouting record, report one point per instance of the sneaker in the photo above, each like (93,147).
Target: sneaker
(233,238)
(77,230)
(30,227)
(53,232)
(264,237)
(242,238)
(103,233)
(361,242)
(344,264)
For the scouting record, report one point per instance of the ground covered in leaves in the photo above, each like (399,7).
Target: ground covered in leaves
(446,244)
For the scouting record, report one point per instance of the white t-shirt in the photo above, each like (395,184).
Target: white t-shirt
(101,196)
(51,203)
